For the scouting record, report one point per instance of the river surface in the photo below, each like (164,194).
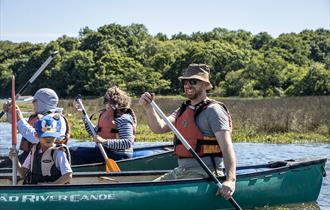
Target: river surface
(247,154)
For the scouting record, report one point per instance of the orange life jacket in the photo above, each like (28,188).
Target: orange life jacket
(25,145)
(185,123)
(107,127)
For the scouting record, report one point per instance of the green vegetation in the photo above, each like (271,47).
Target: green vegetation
(245,68)
(269,120)
(242,64)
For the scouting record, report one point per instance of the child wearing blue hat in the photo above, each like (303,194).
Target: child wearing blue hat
(45,102)
(47,162)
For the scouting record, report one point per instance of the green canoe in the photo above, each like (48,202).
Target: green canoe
(279,182)
(160,157)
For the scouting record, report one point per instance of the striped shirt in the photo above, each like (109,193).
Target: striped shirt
(124,125)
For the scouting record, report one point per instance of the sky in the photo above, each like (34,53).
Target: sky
(41,21)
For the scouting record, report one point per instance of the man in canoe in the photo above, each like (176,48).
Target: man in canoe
(45,103)
(115,129)
(47,162)
(206,125)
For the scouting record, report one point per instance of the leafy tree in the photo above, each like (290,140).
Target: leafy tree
(292,48)
(68,43)
(315,82)
(260,40)
(115,69)
(5,80)
(180,36)
(128,56)
(319,43)
(74,74)
(161,37)
(267,74)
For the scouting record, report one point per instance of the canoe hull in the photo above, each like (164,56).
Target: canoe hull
(147,158)
(282,185)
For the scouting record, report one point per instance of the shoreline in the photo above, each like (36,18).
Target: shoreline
(268,120)
(276,138)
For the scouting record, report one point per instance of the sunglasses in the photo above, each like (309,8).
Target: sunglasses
(190,81)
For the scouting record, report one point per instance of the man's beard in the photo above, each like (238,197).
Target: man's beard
(195,95)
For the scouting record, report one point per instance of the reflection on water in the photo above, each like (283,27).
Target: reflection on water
(248,154)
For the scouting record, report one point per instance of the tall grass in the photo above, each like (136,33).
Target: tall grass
(295,118)
(276,120)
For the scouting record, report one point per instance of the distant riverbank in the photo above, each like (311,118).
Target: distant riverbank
(266,120)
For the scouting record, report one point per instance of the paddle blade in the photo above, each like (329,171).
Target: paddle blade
(111,166)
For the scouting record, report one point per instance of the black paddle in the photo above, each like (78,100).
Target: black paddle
(194,154)
(35,75)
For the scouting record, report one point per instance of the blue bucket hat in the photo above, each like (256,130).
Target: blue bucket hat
(48,126)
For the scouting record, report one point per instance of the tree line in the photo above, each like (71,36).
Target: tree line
(242,64)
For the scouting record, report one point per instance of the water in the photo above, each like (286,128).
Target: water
(247,154)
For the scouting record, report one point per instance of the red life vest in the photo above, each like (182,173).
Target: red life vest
(185,123)
(107,127)
(25,145)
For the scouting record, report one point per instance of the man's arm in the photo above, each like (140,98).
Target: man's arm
(156,124)
(225,142)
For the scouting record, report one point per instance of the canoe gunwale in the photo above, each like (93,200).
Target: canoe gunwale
(121,161)
(169,144)
(6,170)
(143,157)
(290,164)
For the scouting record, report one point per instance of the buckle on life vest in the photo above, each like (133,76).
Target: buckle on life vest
(209,145)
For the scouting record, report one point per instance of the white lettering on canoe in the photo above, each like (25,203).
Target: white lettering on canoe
(3,199)
(74,198)
(62,198)
(84,197)
(9,198)
(94,198)
(44,198)
(32,198)
(13,198)
(29,198)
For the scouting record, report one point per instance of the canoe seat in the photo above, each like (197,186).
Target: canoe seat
(107,179)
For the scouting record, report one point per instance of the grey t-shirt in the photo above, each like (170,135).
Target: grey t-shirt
(209,121)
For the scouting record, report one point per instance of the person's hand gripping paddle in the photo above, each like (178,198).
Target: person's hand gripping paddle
(194,154)
(111,165)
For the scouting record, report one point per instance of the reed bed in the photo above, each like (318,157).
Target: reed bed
(273,120)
